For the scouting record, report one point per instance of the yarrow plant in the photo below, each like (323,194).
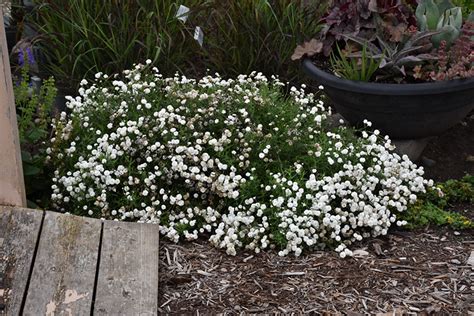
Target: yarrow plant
(234,160)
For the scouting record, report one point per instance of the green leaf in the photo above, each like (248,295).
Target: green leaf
(31,204)
(471,17)
(427,15)
(444,5)
(35,134)
(26,156)
(30,170)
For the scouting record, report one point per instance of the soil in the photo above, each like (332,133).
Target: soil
(453,152)
(422,272)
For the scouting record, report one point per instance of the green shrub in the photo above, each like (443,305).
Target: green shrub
(81,37)
(34,111)
(432,208)
(234,160)
(260,35)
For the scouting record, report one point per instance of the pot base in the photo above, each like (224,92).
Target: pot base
(412,148)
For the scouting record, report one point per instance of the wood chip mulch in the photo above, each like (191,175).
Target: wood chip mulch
(426,272)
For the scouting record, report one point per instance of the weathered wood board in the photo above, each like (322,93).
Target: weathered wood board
(19,231)
(12,187)
(65,267)
(128,272)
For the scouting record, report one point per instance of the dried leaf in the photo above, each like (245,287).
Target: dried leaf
(396,31)
(307,49)
(470,260)
(377,248)
(396,312)
(360,253)
(432,309)
(373,5)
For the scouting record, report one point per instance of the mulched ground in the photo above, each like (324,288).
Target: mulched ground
(424,272)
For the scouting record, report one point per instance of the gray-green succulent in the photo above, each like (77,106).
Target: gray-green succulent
(395,57)
(441,16)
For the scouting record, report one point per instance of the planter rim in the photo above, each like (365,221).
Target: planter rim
(330,80)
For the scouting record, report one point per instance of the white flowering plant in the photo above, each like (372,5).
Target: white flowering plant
(235,160)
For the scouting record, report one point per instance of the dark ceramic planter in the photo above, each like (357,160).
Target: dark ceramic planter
(402,111)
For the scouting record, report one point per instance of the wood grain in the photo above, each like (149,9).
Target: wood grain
(64,270)
(12,187)
(19,231)
(128,273)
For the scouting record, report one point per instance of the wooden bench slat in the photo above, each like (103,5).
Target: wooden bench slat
(65,267)
(19,230)
(128,272)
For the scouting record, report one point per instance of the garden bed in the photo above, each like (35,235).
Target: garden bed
(421,272)
(249,166)
(418,272)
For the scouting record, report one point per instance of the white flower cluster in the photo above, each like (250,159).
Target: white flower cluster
(234,160)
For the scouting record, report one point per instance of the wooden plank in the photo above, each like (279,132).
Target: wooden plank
(128,272)
(65,267)
(12,186)
(19,231)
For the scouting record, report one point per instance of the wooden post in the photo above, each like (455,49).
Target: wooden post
(12,186)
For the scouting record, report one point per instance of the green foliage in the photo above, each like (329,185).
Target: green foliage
(236,156)
(425,213)
(359,69)
(458,190)
(432,208)
(80,37)
(395,57)
(427,15)
(467,6)
(34,117)
(261,35)
(449,25)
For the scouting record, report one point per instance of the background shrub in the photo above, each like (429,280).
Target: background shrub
(34,110)
(260,35)
(436,206)
(82,37)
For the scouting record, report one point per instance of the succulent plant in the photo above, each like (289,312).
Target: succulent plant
(449,23)
(439,16)
(427,15)
(396,57)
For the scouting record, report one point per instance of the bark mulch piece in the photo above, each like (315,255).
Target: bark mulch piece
(425,272)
